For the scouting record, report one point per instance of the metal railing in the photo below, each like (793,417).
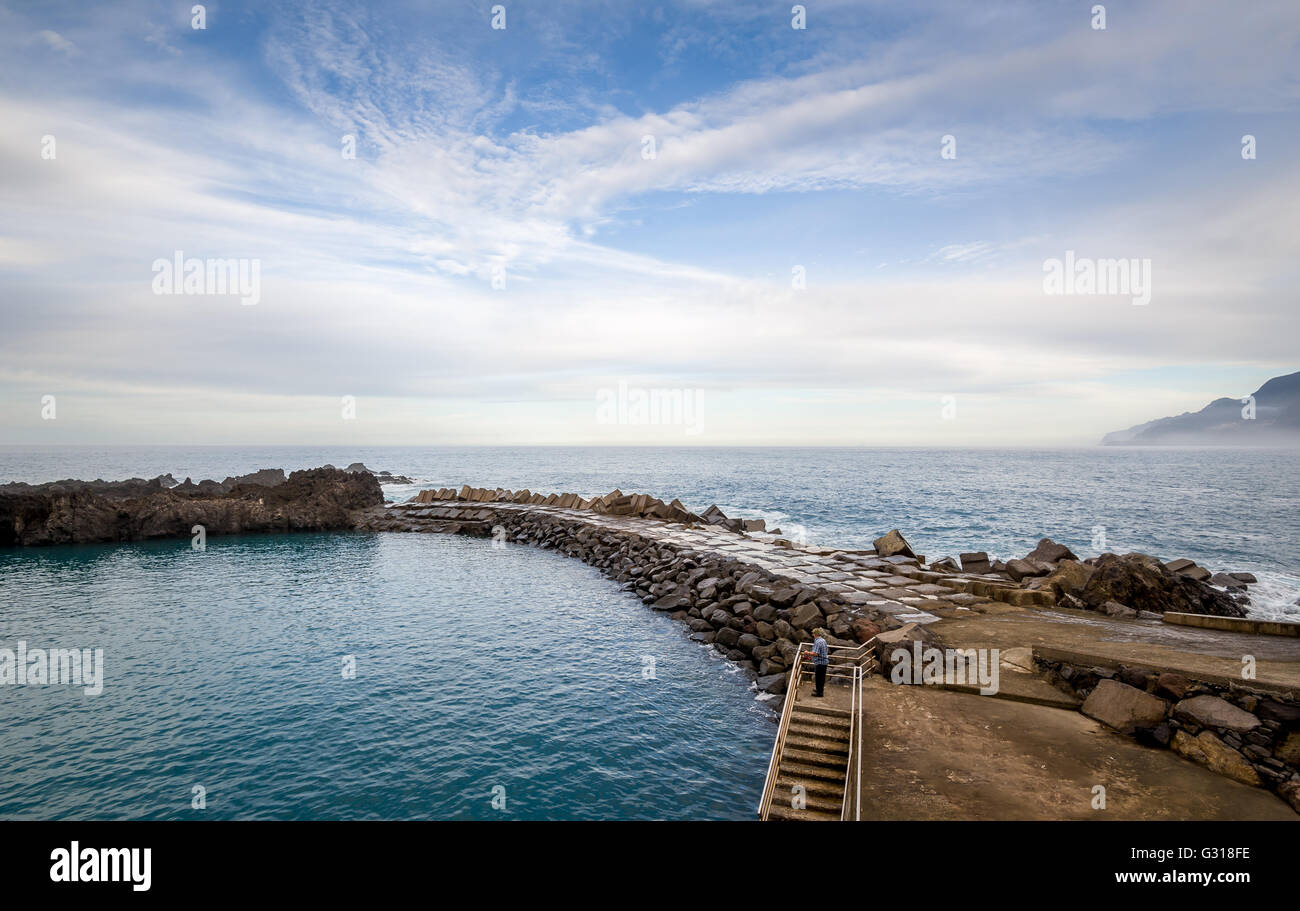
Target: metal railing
(850,663)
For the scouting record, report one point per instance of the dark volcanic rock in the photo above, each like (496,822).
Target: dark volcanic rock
(70,512)
(1144,583)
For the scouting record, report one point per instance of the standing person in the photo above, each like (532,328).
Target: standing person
(820,656)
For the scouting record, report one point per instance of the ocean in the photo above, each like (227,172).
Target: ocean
(513,683)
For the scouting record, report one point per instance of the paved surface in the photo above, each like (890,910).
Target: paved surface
(930,753)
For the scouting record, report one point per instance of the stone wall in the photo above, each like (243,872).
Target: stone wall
(1248,735)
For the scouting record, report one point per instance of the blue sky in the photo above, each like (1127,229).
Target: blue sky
(519,153)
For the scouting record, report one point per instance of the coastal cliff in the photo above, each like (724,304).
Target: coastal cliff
(83,512)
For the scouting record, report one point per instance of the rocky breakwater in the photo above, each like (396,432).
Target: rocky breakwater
(78,512)
(746,605)
(1120,585)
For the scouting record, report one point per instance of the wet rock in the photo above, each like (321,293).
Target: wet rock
(1123,707)
(1189,569)
(976,562)
(1224,580)
(1248,578)
(771,683)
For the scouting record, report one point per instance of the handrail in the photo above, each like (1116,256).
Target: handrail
(791,693)
(857,663)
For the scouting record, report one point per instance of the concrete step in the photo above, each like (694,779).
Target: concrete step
(813,787)
(804,710)
(808,728)
(817,758)
(819,744)
(823,803)
(806,772)
(787,814)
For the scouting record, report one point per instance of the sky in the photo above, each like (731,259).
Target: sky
(466,234)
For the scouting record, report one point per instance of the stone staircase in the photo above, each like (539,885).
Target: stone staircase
(815,757)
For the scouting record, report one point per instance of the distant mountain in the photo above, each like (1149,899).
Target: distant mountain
(1224,421)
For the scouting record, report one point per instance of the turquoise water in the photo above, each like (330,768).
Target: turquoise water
(1229,509)
(476,669)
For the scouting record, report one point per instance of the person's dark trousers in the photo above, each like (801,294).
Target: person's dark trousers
(819,676)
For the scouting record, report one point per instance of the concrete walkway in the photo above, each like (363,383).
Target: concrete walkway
(930,753)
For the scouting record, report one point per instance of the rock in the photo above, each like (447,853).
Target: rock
(1135,677)
(753,524)
(1290,792)
(1156,736)
(1224,580)
(1144,583)
(1023,569)
(1172,686)
(1284,713)
(267,477)
(1115,609)
(772,683)
(1289,749)
(1248,578)
(1048,551)
(806,616)
(945,565)
(893,544)
(1070,578)
(1189,569)
(1207,750)
(76,512)
(1124,708)
(1213,712)
(727,636)
(975,562)
(863,629)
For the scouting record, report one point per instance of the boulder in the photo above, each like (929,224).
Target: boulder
(1115,609)
(1070,578)
(1172,686)
(976,562)
(1189,569)
(893,544)
(1224,580)
(1024,569)
(1213,712)
(1207,750)
(1289,749)
(1124,708)
(806,616)
(1048,551)
(863,629)
(1144,583)
(771,683)
(1248,578)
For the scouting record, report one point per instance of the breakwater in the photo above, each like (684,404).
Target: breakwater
(755,597)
